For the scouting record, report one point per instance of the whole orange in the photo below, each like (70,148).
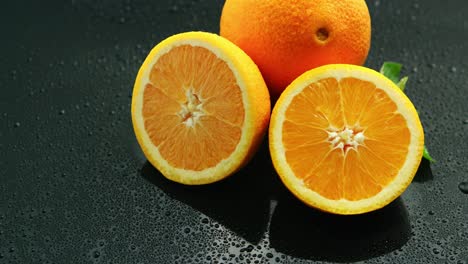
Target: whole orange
(285,38)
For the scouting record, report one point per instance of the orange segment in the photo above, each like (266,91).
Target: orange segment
(232,112)
(324,99)
(358,183)
(193,108)
(355,96)
(345,139)
(305,158)
(327,178)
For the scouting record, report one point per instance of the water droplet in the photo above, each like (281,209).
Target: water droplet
(62,112)
(174,9)
(465,121)
(431,212)
(17,124)
(463,186)
(453,69)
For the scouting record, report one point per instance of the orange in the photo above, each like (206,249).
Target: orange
(345,139)
(285,38)
(199,108)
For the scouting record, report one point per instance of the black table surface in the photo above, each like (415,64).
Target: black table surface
(75,187)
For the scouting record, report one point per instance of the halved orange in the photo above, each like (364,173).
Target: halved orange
(200,108)
(345,139)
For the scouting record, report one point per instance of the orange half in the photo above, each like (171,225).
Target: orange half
(193,108)
(345,139)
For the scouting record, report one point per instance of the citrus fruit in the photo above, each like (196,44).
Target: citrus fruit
(285,38)
(199,108)
(345,139)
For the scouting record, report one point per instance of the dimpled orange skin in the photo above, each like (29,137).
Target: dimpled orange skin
(285,38)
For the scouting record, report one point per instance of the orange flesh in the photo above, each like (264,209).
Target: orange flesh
(352,172)
(193,78)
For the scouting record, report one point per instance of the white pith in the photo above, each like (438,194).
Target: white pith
(192,109)
(345,139)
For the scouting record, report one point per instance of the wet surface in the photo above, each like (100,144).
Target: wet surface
(75,187)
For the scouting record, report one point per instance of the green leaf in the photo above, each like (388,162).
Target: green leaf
(391,70)
(402,83)
(427,156)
